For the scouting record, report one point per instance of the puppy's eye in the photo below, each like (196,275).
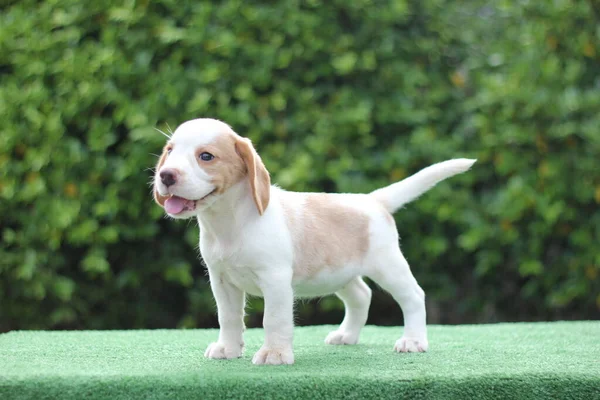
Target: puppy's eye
(206,156)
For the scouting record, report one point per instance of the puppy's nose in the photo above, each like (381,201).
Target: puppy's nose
(168,177)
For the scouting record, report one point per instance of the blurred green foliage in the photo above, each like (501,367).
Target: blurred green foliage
(342,96)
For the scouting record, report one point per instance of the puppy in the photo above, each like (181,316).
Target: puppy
(262,240)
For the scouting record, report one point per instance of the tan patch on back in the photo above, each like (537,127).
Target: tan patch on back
(227,168)
(326,234)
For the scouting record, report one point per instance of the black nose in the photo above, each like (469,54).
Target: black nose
(168,177)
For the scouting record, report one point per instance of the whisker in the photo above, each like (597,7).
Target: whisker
(169,129)
(164,134)
(155,155)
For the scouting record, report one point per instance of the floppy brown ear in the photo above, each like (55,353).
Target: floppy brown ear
(160,200)
(260,182)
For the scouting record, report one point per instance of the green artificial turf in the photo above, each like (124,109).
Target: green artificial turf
(528,360)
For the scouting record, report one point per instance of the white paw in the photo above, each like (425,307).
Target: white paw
(221,350)
(341,337)
(411,345)
(273,356)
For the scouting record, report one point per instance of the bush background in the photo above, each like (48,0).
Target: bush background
(338,96)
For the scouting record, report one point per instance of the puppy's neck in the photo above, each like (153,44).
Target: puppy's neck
(225,217)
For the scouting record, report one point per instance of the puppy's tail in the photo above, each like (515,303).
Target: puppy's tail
(400,193)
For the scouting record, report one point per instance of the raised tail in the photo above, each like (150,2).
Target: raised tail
(397,194)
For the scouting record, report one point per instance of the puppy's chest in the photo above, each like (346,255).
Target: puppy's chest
(233,264)
(219,253)
(216,251)
(231,254)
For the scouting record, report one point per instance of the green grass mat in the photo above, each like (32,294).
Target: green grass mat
(558,360)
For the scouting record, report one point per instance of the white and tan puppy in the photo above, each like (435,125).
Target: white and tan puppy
(262,240)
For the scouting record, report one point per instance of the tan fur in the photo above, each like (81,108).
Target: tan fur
(260,182)
(227,168)
(160,200)
(326,234)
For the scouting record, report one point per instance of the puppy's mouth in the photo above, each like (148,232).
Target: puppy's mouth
(175,205)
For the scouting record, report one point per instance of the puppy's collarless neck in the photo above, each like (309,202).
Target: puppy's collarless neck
(231,210)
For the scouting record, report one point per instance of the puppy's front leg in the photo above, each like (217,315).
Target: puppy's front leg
(230,307)
(278,322)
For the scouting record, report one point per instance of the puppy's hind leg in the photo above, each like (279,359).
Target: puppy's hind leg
(393,274)
(356,296)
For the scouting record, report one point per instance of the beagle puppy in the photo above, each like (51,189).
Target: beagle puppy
(265,241)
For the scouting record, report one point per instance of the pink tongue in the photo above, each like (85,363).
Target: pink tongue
(174,204)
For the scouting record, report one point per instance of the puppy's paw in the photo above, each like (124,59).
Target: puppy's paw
(341,337)
(411,345)
(221,350)
(273,356)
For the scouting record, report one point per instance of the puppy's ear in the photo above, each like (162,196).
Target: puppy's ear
(260,182)
(160,200)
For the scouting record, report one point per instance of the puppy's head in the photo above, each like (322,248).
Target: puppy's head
(200,162)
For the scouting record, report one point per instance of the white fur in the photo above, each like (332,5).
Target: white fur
(246,252)
(400,193)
